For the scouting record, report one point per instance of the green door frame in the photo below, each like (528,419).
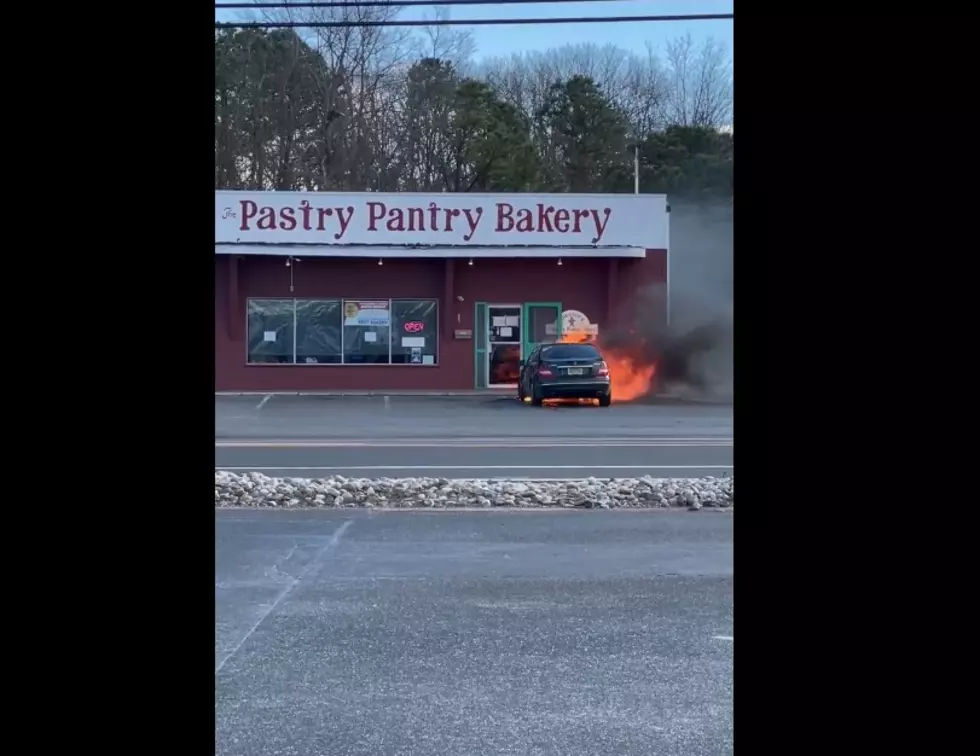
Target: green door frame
(480,344)
(526,336)
(481,326)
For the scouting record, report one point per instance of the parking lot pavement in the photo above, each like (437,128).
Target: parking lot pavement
(301,417)
(455,633)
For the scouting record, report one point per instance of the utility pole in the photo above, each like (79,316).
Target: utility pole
(636,167)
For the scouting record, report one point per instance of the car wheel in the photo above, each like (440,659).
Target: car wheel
(520,391)
(605,400)
(536,398)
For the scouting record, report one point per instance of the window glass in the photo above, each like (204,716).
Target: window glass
(270,331)
(366,331)
(318,325)
(415,332)
(570,352)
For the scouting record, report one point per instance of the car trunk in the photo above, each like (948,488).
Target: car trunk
(575,368)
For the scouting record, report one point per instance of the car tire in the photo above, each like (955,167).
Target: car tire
(520,391)
(536,399)
(605,400)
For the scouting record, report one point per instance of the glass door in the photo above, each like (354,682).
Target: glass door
(541,323)
(504,330)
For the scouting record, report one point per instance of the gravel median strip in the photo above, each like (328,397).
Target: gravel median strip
(258,490)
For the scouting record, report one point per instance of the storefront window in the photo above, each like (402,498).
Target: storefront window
(415,332)
(318,324)
(366,331)
(270,330)
(343,331)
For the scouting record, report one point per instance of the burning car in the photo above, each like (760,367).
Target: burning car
(565,370)
(632,371)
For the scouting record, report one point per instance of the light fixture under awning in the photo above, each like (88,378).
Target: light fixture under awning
(394,253)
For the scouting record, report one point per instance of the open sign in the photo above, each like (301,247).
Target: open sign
(414,326)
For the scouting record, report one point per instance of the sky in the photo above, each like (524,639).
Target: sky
(506,40)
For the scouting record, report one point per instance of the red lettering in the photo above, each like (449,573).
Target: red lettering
(396,220)
(304,209)
(505,215)
(249,209)
(600,228)
(525,220)
(473,220)
(540,218)
(561,220)
(344,221)
(267,219)
(544,218)
(376,211)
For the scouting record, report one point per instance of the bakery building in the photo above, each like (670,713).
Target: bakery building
(368,291)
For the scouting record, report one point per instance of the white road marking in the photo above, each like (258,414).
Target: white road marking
(477,467)
(460,439)
(723,637)
(461,443)
(266,398)
(333,541)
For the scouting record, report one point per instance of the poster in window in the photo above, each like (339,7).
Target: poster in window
(366,313)
(415,327)
(270,331)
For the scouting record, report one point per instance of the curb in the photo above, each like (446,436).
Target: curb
(508,394)
(420,395)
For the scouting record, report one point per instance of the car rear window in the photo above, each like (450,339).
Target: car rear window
(570,352)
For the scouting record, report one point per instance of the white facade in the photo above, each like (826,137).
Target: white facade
(440,225)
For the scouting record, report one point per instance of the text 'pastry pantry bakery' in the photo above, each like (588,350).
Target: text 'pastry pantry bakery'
(506,218)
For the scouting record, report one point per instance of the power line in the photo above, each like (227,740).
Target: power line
(468,22)
(394,3)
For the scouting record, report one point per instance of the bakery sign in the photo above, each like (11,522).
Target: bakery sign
(327,218)
(573,321)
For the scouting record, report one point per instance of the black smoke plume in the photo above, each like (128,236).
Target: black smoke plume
(694,352)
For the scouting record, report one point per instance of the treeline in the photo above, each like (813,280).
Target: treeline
(363,109)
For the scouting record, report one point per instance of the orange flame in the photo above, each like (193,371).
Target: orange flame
(630,378)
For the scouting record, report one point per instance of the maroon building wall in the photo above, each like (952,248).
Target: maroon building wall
(604,289)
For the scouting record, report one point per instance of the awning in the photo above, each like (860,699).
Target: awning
(393,253)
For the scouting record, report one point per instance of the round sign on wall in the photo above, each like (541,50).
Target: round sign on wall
(573,321)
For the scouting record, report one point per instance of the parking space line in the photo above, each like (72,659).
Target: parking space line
(265,398)
(333,541)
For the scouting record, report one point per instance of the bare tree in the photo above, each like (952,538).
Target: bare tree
(350,152)
(700,83)
(637,84)
(455,46)
(368,108)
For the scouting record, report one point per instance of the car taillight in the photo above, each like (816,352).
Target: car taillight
(603,369)
(545,371)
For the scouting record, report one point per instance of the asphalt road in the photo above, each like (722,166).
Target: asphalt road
(325,417)
(461,458)
(451,633)
(468,437)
